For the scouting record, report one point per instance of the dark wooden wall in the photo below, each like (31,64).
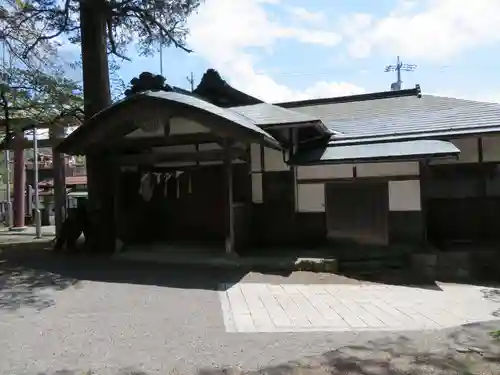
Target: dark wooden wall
(275,222)
(462,203)
(196,216)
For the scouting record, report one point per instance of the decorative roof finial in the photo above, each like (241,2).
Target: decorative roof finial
(147,81)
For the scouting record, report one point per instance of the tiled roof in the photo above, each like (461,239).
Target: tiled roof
(265,114)
(405,116)
(411,150)
(223,120)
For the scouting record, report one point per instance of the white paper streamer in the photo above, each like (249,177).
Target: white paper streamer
(177,175)
(146,187)
(166,177)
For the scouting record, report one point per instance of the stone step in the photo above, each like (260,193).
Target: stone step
(376,265)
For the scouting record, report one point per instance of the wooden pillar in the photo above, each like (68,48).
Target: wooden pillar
(228,174)
(59,171)
(117,211)
(19,183)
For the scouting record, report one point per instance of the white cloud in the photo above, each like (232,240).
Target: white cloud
(490,96)
(223,31)
(307,16)
(439,31)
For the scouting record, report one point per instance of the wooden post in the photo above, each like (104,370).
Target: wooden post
(19,184)
(59,170)
(228,173)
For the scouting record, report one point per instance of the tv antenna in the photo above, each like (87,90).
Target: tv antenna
(398,68)
(190,79)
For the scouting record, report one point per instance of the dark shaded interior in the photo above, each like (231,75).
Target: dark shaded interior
(462,203)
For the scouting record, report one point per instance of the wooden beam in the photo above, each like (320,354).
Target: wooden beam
(155,158)
(141,143)
(42,143)
(19,122)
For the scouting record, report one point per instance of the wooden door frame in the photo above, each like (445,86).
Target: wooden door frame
(361,182)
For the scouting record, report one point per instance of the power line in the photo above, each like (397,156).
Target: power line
(161,58)
(398,68)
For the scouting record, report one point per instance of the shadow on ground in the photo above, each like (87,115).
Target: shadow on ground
(400,277)
(466,351)
(493,295)
(22,286)
(27,279)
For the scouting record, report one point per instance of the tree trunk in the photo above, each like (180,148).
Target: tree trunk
(97,96)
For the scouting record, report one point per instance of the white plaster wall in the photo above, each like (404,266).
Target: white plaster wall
(387,169)
(491,148)
(208,147)
(324,172)
(176,164)
(404,195)
(180,164)
(212,146)
(311,197)
(469,152)
(257,195)
(255,159)
(178,125)
(273,161)
(175,149)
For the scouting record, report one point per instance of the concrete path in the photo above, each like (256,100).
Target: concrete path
(75,316)
(25,237)
(29,231)
(261,307)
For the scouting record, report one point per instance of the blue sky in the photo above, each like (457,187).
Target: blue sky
(291,49)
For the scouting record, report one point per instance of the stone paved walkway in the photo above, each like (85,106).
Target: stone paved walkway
(258,307)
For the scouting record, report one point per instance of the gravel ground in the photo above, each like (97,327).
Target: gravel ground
(60,316)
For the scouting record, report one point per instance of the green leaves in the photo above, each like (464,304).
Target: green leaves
(144,23)
(36,96)
(33,87)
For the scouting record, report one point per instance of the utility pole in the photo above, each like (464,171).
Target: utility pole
(398,85)
(38,218)
(190,79)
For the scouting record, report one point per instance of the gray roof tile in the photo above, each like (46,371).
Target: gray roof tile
(376,151)
(405,115)
(203,105)
(268,114)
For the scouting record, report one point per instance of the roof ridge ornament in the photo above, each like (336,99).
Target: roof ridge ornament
(419,91)
(147,81)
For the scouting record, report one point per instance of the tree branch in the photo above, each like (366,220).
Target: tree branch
(145,15)
(5,105)
(112,43)
(61,30)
